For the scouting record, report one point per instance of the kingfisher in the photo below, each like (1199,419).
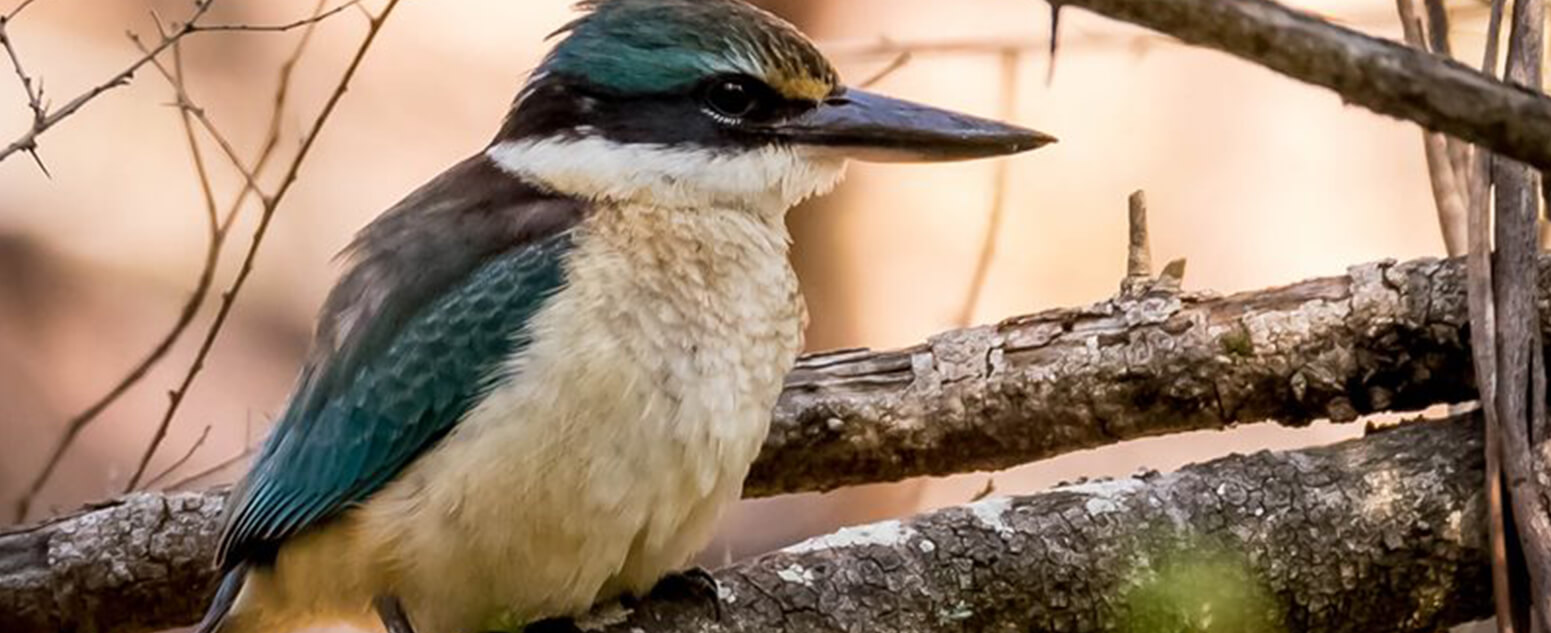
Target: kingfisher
(546,372)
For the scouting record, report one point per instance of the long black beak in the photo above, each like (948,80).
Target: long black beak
(868,126)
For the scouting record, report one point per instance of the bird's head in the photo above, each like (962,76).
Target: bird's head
(714,102)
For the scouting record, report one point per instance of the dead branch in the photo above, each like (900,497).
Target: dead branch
(271,203)
(42,122)
(1521,373)
(219,230)
(1383,337)
(1386,77)
(1383,533)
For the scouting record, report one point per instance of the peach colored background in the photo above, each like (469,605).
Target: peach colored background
(1258,180)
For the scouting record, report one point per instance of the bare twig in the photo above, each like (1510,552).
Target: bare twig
(1055,42)
(189,109)
(278,28)
(219,232)
(1448,191)
(893,66)
(29,141)
(211,470)
(1483,340)
(1008,111)
(271,204)
(178,463)
(34,92)
(16,11)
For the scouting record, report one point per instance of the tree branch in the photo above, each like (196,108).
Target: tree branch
(1384,337)
(1383,533)
(1383,76)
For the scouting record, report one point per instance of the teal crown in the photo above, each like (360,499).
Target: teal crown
(663,46)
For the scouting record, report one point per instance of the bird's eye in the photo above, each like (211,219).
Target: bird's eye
(731,98)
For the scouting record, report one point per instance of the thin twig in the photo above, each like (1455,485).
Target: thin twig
(271,204)
(1009,88)
(17,11)
(187,455)
(278,28)
(190,309)
(29,140)
(34,92)
(190,109)
(894,65)
(1448,194)
(211,470)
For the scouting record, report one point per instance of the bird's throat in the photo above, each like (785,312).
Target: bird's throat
(767,179)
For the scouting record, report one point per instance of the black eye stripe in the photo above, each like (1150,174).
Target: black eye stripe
(561,105)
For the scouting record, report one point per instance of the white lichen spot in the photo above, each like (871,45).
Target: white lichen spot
(885,533)
(796,575)
(993,514)
(1455,523)
(926,546)
(1101,505)
(726,594)
(1380,501)
(1107,488)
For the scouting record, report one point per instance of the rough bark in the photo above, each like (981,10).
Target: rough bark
(1384,533)
(140,563)
(1383,76)
(1385,337)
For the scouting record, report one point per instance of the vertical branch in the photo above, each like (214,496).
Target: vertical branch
(1520,361)
(1139,250)
(1009,107)
(1447,185)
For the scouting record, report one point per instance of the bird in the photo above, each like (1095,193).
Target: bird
(543,374)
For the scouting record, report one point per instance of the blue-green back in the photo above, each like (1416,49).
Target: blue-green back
(438,300)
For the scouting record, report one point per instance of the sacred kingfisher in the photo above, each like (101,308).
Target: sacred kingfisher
(546,372)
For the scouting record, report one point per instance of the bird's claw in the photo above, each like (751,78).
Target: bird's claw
(694,583)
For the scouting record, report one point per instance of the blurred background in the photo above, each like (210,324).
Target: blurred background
(1258,180)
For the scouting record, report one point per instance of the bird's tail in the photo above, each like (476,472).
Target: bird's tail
(225,597)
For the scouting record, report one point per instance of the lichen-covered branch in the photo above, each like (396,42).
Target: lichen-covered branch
(1383,533)
(1380,534)
(141,563)
(1383,76)
(1384,337)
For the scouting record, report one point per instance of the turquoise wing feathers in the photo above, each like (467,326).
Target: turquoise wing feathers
(406,347)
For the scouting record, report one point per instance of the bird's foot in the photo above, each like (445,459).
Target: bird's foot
(694,583)
(553,625)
